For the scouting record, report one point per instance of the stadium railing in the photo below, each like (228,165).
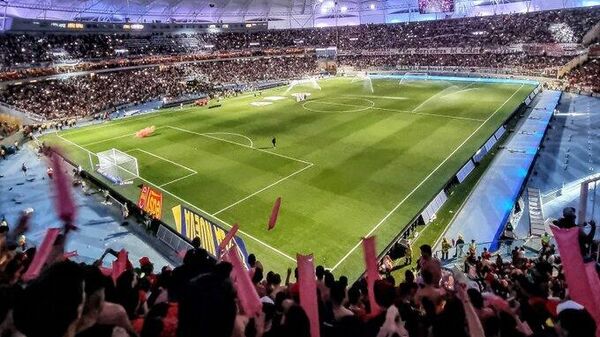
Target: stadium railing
(24,115)
(530,244)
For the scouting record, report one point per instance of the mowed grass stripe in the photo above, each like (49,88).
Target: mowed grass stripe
(363,162)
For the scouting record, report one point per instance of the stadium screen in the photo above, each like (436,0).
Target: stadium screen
(326,53)
(436,6)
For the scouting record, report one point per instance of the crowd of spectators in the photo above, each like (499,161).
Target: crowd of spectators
(79,96)
(96,93)
(492,297)
(556,26)
(518,61)
(8,125)
(585,77)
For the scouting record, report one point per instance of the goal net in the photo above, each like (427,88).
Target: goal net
(408,76)
(117,166)
(366,81)
(304,83)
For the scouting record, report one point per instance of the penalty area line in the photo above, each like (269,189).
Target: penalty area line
(263,189)
(178,179)
(198,208)
(164,159)
(239,144)
(113,138)
(424,180)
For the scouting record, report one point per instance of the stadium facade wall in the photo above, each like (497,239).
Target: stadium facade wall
(26,117)
(279,17)
(407,11)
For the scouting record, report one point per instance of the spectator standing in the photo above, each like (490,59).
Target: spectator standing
(460,243)
(445,248)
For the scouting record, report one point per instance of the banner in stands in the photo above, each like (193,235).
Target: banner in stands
(555,50)
(151,201)
(191,225)
(552,49)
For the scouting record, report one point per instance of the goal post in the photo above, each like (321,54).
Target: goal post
(414,76)
(117,166)
(304,83)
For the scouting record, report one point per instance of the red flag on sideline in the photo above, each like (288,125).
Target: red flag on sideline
(575,272)
(308,291)
(372,272)
(274,213)
(227,239)
(119,265)
(42,254)
(63,200)
(249,301)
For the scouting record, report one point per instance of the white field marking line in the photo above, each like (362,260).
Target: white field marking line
(109,139)
(163,158)
(174,180)
(425,179)
(121,120)
(112,138)
(178,179)
(432,114)
(372,104)
(308,165)
(263,189)
(242,145)
(396,110)
(196,207)
(231,134)
(380,97)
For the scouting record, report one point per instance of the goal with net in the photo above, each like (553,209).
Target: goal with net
(408,76)
(304,83)
(117,166)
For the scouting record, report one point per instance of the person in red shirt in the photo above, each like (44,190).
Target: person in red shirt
(486,254)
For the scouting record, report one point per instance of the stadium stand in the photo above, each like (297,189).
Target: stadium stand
(97,93)
(585,77)
(547,27)
(503,295)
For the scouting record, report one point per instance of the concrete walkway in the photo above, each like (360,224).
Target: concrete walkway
(99,224)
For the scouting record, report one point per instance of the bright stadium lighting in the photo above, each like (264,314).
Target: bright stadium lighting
(344,9)
(372,7)
(327,6)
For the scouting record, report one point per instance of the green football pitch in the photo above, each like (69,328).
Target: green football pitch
(358,158)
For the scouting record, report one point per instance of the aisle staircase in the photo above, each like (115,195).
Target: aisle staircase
(536,213)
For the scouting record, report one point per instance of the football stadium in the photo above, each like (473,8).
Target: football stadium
(409,168)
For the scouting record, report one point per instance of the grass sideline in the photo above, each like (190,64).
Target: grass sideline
(350,161)
(431,232)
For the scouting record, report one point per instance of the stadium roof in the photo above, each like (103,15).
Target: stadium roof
(235,10)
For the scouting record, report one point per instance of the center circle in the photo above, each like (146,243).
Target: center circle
(350,107)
